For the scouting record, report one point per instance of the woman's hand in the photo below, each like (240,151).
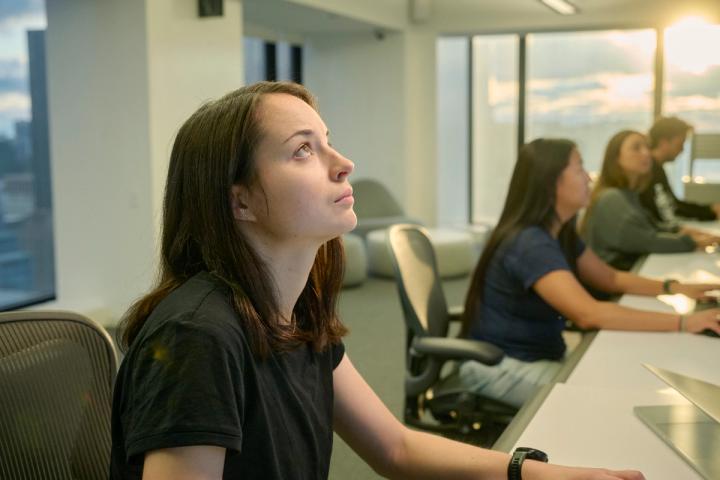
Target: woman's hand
(703,240)
(707,319)
(602,474)
(537,471)
(694,290)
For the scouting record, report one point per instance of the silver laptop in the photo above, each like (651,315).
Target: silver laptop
(693,431)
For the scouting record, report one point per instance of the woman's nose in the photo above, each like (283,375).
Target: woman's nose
(342,167)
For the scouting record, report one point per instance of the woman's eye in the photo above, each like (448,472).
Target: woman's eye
(303,152)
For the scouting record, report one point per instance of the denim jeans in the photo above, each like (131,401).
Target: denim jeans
(512,381)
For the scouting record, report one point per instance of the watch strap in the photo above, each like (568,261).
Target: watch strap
(519,456)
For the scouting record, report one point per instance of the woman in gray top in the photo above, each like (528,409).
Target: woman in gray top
(616,226)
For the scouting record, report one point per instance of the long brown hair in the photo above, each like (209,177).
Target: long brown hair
(612,175)
(530,202)
(214,150)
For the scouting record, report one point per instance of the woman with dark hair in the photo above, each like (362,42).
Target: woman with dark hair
(234,366)
(616,225)
(527,282)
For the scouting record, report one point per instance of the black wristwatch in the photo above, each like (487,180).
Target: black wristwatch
(519,456)
(666,285)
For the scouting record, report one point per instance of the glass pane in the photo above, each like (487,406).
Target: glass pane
(692,88)
(494,122)
(453,106)
(27,272)
(601,83)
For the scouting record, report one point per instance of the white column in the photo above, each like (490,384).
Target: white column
(421,161)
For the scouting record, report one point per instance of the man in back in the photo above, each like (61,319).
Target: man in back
(666,138)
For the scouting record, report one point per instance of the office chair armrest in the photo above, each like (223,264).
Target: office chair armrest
(457,349)
(455,313)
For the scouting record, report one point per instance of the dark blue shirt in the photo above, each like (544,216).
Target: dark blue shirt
(511,315)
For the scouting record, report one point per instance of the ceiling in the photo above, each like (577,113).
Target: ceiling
(299,17)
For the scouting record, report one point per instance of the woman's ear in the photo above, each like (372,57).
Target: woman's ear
(240,204)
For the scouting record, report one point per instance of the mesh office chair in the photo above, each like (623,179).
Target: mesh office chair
(56,378)
(428,347)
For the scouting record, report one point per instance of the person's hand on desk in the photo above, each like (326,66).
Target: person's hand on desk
(537,471)
(704,320)
(693,290)
(716,207)
(703,240)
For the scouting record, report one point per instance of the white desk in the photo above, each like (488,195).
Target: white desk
(589,420)
(693,267)
(615,359)
(596,427)
(690,266)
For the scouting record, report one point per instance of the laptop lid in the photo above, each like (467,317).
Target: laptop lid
(706,396)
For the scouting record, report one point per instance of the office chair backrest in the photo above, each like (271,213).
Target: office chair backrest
(56,377)
(416,274)
(373,200)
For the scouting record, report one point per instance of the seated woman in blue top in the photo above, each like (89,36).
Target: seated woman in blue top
(235,366)
(616,225)
(527,282)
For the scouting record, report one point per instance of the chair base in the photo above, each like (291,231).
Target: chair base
(462,416)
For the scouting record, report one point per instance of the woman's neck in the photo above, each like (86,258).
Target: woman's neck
(633,180)
(561,218)
(289,267)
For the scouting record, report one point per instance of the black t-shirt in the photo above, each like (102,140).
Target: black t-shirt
(190,378)
(511,315)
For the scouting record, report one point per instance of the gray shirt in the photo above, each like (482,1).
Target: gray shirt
(620,231)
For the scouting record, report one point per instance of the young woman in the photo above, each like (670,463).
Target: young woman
(616,224)
(528,280)
(235,367)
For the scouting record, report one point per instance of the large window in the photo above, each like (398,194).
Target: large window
(585,86)
(26,235)
(692,90)
(602,83)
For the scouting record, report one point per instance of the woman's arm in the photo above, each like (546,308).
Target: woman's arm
(564,293)
(598,274)
(394,451)
(185,463)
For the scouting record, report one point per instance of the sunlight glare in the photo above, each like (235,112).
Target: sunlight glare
(689,45)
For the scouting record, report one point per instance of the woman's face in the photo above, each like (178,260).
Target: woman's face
(302,191)
(573,186)
(635,159)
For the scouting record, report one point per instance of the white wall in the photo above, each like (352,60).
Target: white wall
(359,82)
(377,97)
(190,60)
(99,150)
(122,75)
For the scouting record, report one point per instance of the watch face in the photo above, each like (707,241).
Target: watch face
(533,454)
